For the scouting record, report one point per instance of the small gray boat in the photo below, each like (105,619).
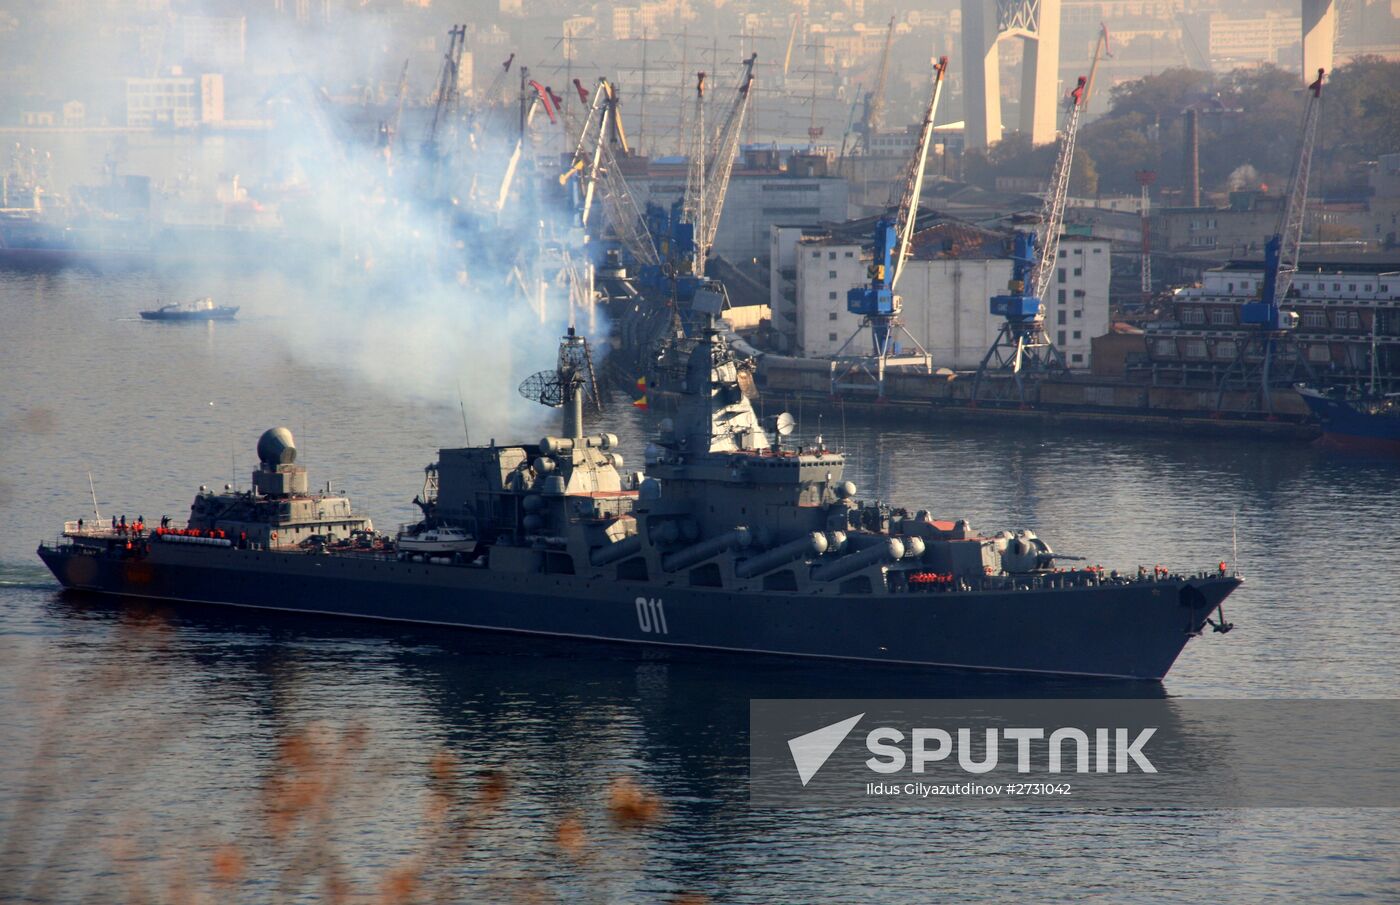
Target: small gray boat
(198,310)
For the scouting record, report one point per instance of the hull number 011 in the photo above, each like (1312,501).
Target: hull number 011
(651,615)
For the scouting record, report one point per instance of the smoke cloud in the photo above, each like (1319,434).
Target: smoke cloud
(434,287)
(397,268)
(1243,177)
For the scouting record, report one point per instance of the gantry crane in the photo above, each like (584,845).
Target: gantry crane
(1022,346)
(876,303)
(1271,323)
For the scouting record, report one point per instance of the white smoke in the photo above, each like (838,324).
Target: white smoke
(411,283)
(1243,177)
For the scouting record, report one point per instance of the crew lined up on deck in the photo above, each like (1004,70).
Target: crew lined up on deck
(119,525)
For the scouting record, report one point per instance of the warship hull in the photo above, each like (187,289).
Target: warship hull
(1133,629)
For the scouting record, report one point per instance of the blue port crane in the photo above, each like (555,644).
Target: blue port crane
(876,303)
(683,235)
(1022,346)
(712,165)
(1270,323)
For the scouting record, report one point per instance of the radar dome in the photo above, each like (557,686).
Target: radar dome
(276,447)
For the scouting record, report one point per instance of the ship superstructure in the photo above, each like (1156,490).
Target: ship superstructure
(730,540)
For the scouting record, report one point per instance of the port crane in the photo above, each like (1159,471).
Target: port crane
(447,95)
(533,98)
(711,166)
(1022,346)
(389,130)
(874,115)
(601,140)
(876,303)
(584,168)
(1271,324)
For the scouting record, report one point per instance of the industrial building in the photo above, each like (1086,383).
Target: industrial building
(176,99)
(766,190)
(954,269)
(1348,318)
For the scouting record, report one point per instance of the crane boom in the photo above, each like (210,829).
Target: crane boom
(623,214)
(1290,230)
(908,213)
(721,163)
(448,80)
(875,100)
(1052,213)
(594,160)
(1272,322)
(400,94)
(693,204)
(1100,50)
(596,116)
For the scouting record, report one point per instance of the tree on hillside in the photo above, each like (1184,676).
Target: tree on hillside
(1155,95)
(1249,121)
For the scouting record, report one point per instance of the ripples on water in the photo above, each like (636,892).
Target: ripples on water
(163,728)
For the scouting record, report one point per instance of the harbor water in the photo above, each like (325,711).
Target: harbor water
(147,747)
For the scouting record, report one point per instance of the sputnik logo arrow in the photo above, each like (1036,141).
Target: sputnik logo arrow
(812,750)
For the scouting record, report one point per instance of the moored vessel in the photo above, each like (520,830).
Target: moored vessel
(1369,423)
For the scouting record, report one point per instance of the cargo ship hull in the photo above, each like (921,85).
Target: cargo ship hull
(1132,629)
(1343,424)
(1099,402)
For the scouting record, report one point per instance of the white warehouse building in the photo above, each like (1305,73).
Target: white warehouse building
(946,287)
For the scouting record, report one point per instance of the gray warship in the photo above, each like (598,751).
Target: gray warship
(729,541)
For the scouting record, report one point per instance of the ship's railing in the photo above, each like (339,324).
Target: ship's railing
(98,529)
(102,528)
